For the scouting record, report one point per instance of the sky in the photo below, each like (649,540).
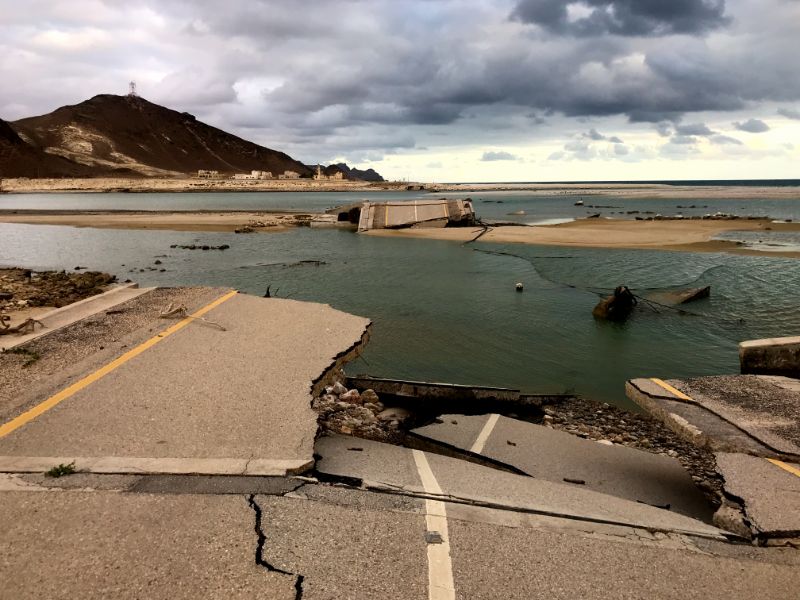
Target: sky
(441,90)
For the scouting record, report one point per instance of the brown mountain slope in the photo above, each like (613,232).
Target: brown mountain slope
(20,159)
(116,133)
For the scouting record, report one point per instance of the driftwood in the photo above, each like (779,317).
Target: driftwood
(27,326)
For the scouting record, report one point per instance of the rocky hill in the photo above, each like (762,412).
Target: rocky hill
(352,174)
(20,159)
(368,175)
(128,135)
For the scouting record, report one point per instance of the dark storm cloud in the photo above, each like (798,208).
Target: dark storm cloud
(376,77)
(752,126)
(789,113)
(623,17)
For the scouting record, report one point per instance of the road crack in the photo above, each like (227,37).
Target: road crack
(259,557)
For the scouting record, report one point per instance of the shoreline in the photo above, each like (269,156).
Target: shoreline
(140,185)
(687,235)
(631,190)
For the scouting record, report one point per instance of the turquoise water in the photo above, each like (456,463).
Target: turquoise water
(443,311)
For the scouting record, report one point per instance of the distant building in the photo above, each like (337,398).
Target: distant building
(289,175)
(321,176)
(203,174)
(254,175)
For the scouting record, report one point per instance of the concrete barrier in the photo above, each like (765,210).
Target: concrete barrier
(771,356)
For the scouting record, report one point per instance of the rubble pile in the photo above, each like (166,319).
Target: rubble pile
(24,288)
(361,414)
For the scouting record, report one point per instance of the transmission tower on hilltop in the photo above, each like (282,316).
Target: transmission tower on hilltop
(132,89)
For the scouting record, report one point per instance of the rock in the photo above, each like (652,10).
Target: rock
(672,453)
(352,396)
(730,518)
(605,442)
(369,396)
(157,262)
(6,295)
(394,413)
(329,398)
(338,389)
(371,406)
(368,417)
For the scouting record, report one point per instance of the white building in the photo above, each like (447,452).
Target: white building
(254,175)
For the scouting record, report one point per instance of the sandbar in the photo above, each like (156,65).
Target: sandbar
(681,235)
(690,235)
(173,221)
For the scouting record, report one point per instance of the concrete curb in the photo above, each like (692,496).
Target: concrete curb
(124,465)
(67,315)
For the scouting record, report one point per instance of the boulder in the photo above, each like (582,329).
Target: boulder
(352,396)
(338,389)
(369,396)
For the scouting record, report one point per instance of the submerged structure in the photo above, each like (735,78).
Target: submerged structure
(405,214)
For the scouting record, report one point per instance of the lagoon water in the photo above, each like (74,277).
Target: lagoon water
(446,312)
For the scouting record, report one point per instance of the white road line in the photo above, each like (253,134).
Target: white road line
(440,567)
(477,447)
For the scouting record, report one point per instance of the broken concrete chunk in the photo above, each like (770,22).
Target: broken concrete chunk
(351,396)
(370,396)
(729,517)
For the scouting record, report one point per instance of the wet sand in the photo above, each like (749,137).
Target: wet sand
(680,235)
(173,221)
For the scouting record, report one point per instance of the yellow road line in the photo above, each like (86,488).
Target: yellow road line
(784,466)
(671,389)
(52,401)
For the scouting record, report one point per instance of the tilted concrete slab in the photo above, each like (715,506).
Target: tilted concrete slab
(753,414)
(392,468)
(235,385)
(770,493)
(771,356)
(66,315)
(557,456)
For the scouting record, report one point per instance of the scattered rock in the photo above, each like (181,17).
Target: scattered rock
(49,288)
(338,389)
(202,247)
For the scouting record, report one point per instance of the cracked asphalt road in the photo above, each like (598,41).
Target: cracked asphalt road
(346,543)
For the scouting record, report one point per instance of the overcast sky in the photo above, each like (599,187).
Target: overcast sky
(441,90)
